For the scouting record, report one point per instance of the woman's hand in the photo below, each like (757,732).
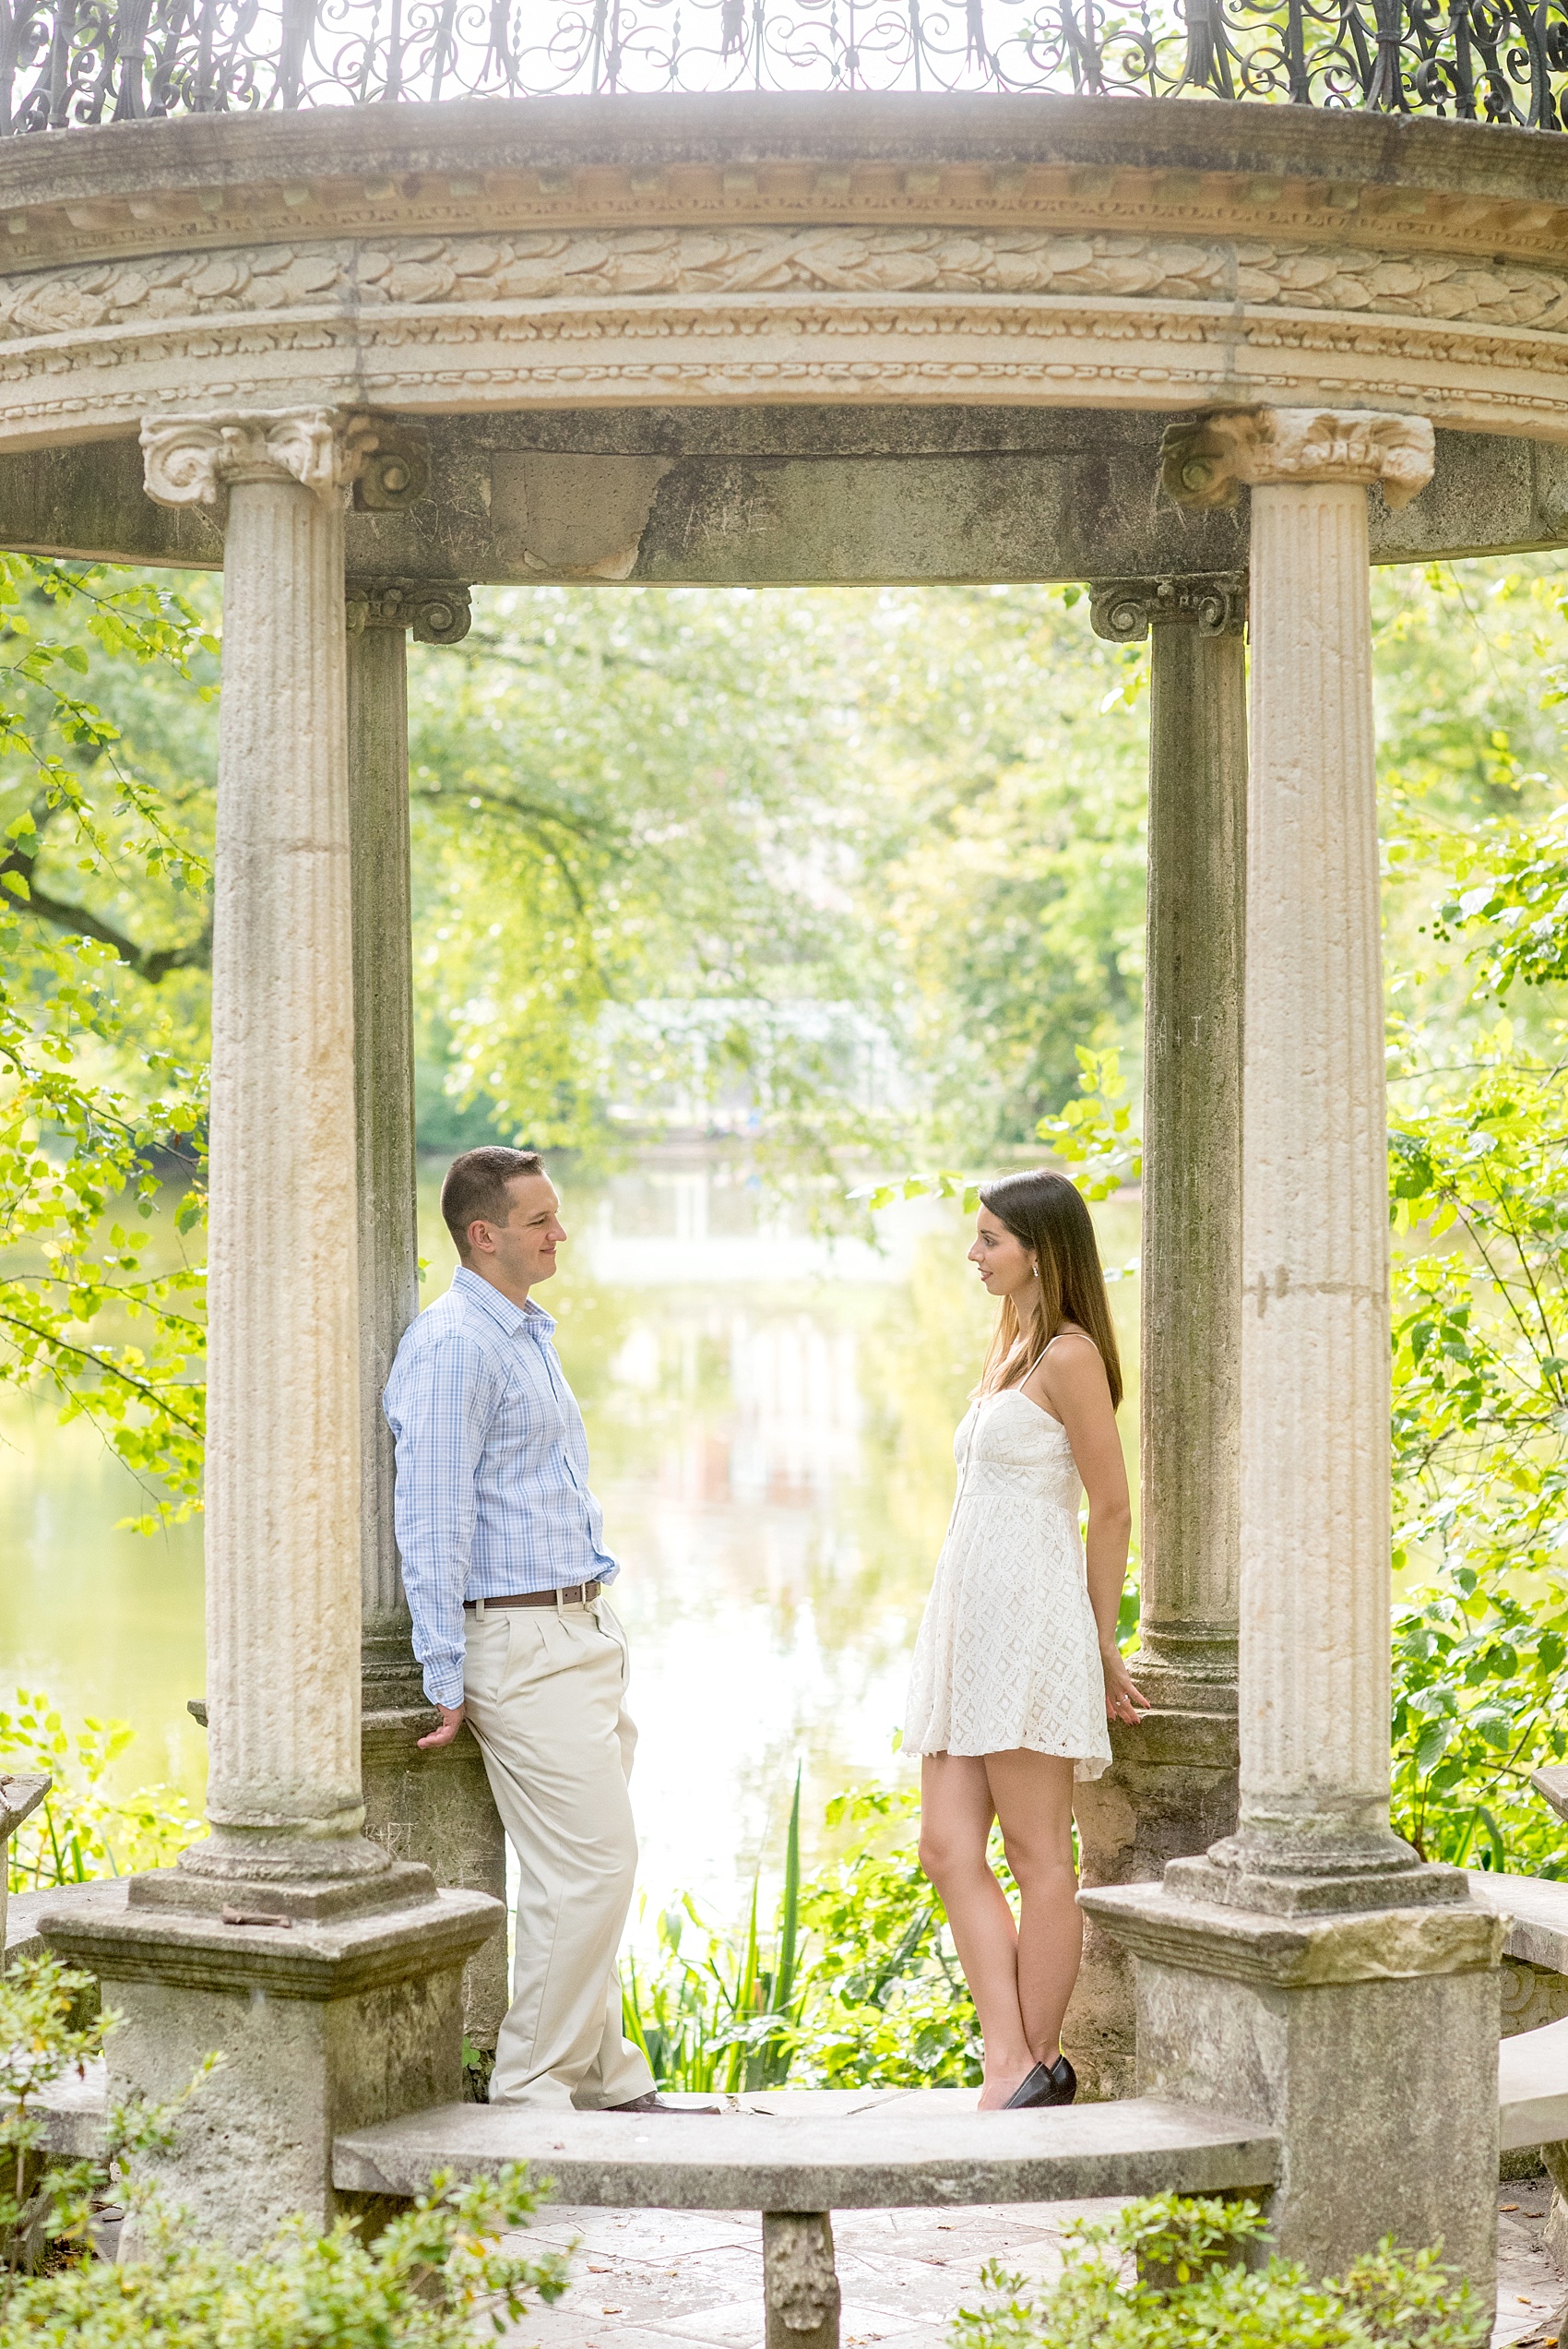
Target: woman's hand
(1124,1701)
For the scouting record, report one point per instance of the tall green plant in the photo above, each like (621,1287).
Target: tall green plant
(730,2017)
(857,1987)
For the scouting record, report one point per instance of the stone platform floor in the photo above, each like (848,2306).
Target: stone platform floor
(692,2279)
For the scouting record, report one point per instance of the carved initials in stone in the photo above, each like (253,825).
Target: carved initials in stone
(1215,602)
(1204,464)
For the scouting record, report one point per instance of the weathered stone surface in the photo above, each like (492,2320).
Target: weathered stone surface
(775,496)
(321,2028)
(437,1808)
(1383,2093)
(1207,463)
(384,1080)
(1170,1790)
(1191,1381)
(897,2150)
(913,249)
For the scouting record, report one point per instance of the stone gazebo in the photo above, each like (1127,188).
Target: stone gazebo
(1207,357)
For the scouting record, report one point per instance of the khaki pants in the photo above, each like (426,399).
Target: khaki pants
(544,1689)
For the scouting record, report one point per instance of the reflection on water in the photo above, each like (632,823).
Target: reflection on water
(770,1418)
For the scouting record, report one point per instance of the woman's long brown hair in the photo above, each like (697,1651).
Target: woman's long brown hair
(1047,1214)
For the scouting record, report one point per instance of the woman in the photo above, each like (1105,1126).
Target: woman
(1017,1667)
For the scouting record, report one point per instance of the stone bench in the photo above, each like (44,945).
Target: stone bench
(797,2156)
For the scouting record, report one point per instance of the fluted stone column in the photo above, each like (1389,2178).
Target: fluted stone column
(433,1807)
(1315,1491)
(1309,1972)
(326,1973)
(379,615)
(283,1453)
(1171,1789)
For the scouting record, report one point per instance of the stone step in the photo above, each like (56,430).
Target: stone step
(1532,2087)
(900,2150)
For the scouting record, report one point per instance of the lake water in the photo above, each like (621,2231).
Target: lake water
(770,1417)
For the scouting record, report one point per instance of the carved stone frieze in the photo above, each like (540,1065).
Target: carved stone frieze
(1215,602)
(1205,464)
(1033,339)
(436,612)
(553,266)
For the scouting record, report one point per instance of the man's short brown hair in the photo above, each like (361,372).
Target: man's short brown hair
(475,1188)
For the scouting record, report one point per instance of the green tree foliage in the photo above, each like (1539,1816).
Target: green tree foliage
(1479,1184)
(705,850)
(1168,2274)
(91,1305)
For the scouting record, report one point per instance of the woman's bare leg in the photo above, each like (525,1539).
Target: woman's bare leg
(955,1816)
(1033,1798)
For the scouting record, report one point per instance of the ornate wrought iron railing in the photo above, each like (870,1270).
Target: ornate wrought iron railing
(69,62)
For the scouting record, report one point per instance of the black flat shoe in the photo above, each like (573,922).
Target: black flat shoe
(1054,2083)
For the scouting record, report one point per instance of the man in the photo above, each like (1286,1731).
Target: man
(505,1566)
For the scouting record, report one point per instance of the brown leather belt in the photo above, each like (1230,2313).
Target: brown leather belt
(575,1594)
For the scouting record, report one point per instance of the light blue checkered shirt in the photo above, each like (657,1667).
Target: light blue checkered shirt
(493,1466)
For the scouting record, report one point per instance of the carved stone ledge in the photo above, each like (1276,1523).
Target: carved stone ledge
(1215,602)
(1297,1952)
(1205,464)
(438,612)
(193,461)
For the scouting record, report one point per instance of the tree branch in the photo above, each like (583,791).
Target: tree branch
(151,963)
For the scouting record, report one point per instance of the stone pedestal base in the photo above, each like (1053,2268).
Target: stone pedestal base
(1368,2039)
(437,1807)
(322,2026)
(1170,1791)
(800,2280)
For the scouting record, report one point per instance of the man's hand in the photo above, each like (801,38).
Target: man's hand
(451,1722)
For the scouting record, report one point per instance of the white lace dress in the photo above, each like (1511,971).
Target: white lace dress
(1008,1655)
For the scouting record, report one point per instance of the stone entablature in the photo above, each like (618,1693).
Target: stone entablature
(548,254)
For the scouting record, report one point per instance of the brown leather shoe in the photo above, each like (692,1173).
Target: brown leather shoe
(651,2101)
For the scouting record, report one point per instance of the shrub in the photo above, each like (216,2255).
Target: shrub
(1167,2274)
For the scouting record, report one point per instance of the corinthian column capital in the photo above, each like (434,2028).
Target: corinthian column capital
(193,461)
(1205,464)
